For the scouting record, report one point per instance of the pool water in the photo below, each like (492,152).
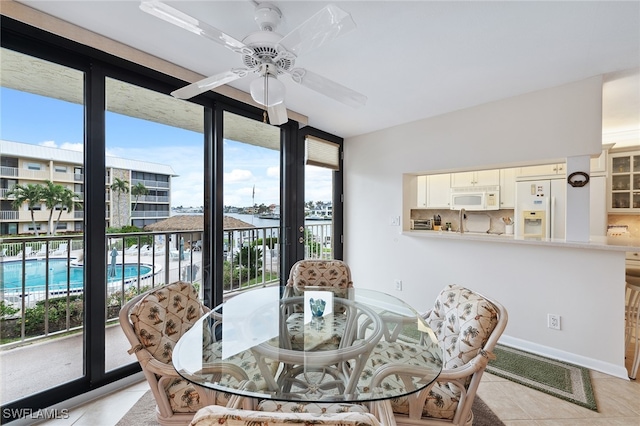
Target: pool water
(35,274)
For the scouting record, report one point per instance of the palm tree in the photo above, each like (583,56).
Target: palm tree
(119,186)
(138,190)
(51,195)
(68,200)
(29,193)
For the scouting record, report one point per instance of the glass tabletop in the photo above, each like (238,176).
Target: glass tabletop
(315,346)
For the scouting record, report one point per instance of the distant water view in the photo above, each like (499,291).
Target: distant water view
(255,220)
(259,223)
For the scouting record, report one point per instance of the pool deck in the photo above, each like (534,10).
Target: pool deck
(38,366)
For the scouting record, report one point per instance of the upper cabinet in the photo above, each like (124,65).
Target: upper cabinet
(433,191)
(543,170)
(508,188)
(624,182)
(438,191)
(478,178)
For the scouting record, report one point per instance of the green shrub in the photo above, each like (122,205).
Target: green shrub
(270,242)
(7,310)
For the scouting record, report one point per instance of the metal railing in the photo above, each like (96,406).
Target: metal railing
(43,280)
(150,213)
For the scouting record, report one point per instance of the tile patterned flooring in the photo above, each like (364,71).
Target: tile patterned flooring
(618,403)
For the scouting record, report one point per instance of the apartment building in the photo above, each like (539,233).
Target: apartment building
(22,163)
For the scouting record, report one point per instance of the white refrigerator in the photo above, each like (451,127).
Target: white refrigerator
(540,208)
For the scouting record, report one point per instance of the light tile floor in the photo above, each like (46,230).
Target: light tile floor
(618,403)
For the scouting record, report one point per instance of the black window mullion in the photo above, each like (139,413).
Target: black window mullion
(95,228)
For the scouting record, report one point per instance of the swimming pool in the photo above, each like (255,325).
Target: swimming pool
(35,275)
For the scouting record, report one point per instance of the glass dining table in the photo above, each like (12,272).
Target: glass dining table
(316,346)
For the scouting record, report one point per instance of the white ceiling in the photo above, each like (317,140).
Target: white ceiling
(413,59)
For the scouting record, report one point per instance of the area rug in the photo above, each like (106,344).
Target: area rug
(143,413)
(560,379)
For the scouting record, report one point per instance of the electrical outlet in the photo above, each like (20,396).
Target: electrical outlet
(399,285)
(553,321)
(394,221)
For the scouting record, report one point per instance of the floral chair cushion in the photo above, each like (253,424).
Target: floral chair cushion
(303,336)
(330,274)
(310,407)
(215,415)
(163,316)
(159,319)
(462,321)
(396,352)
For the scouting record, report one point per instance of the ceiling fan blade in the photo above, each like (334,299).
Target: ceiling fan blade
(189,23)
(327,24)
(208,83)
(328,88)
(278,114)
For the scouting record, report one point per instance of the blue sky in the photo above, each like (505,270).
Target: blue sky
(39,120)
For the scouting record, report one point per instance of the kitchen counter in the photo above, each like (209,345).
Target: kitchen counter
(596,242)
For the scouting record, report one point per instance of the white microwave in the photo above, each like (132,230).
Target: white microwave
(475,198)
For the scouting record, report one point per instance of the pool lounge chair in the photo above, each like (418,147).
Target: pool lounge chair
(62,249)
(28,251)
(131,250)
(42,251)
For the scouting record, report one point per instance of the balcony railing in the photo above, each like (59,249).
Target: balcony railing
(150,183)
(9,215)
(9,171)
(150,214)
(144,259)
(154,198)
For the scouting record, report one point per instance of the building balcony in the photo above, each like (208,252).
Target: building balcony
(150,183)
(9,215)
(149,214)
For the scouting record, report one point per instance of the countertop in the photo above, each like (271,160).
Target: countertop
(624,244)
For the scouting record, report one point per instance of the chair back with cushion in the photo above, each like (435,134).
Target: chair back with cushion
(331,275)
(467,326)
(153,322)
(314,274)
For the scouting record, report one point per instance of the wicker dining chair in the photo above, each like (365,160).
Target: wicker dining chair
(153,322)
(467,326)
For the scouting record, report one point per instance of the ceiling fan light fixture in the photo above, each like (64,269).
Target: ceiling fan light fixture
(267,90)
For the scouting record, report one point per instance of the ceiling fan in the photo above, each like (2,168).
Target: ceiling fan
(268,54)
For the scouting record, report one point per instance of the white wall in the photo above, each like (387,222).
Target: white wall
(585,287)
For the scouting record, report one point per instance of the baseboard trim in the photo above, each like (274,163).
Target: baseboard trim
(593,364)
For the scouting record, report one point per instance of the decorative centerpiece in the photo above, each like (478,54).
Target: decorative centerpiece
(317,307)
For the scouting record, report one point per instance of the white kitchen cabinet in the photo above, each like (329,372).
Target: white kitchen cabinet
(508,188)
(439,191)
(421,186)
(543,170)
(477,178)
(624,182)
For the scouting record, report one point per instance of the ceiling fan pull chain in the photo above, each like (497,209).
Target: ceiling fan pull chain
(266,97)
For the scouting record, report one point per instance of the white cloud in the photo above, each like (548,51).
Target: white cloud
(273,172)
(71,146)
(238,175)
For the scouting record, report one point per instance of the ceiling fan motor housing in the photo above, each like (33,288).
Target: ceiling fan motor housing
(263,44)
(267,16)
